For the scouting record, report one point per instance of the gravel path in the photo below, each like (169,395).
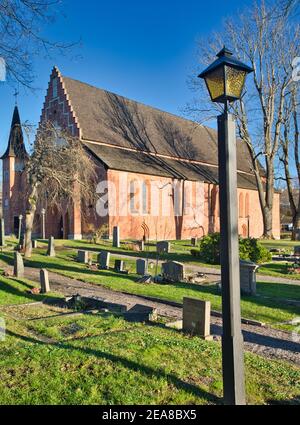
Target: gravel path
(265,341)
(214,273)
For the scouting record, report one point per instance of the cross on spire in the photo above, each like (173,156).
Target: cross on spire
(16,93)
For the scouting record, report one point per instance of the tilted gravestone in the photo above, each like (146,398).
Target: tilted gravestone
(163,247)
(119,266)
(173,271)
(83,256)
(116,237)
(248,277)
(141,267)
(18,265)
(2,232)
(103,260)
(141,313)
(196,317)
(51,248)
(44,281)
(194,241)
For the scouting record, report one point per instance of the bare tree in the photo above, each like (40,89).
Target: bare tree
(59,170)
(290,146)
(21,23)
(268,41)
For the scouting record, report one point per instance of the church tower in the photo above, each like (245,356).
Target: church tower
(13,179)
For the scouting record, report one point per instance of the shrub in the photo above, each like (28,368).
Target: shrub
(210,248)
(249,249)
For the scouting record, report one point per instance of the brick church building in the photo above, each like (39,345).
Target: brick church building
(161,170)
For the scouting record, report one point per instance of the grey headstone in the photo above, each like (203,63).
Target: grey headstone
(173,271)
(18,265)
(34,243)
(297,234)
(2,232)
(51,249)
(141,313)
(141,267)
(83,256)
(44,281)
(141,245)
(297,250)
(248,277)
(196,317)
(119,265)
(163,247)
(103,260)
(116,237)
(194,241)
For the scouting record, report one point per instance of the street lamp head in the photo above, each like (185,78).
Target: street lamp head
(20,217)
(43,211)
(225,77)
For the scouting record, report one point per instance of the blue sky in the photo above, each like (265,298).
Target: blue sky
(142,50)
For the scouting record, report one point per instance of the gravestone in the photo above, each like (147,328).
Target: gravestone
(51,249)
(141,313)
(194,241)
(119,266)
(141,245)
(44,281)
(141,267)
(163,247)
(196,317)
(248,277)
(2,232)
(103,260)
(297,234)
(116,237)
(18,265)
(173,271)
(83,256)
(297,250)
(34,243)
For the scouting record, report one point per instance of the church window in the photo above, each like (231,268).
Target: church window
(241,205)
(134,207)
(145,193)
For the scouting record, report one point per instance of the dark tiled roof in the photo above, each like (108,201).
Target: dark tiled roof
(108,118)
(15,145)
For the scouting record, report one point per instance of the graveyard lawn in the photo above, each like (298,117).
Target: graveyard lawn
(272,305)
(102,359)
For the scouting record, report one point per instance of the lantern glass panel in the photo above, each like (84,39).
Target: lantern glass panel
(215,83)
(235,80)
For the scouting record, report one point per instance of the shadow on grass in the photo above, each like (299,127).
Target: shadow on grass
(9,289)
(129,364)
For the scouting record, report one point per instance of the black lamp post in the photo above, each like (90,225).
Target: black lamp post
(225,79)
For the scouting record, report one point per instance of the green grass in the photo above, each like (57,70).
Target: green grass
(268,307)
(101,359)
(16,291)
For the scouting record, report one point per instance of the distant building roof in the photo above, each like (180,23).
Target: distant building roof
(15,145)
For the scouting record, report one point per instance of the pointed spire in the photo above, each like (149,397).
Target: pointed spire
(15,145)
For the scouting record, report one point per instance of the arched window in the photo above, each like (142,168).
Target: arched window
(247,212)
(241,205)
(145,198)
(133,193)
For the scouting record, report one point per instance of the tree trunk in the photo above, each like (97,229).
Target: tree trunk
(28,232)
(268,223)
(29,218)
(296,224)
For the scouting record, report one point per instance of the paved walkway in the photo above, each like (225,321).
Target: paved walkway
(266,341)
